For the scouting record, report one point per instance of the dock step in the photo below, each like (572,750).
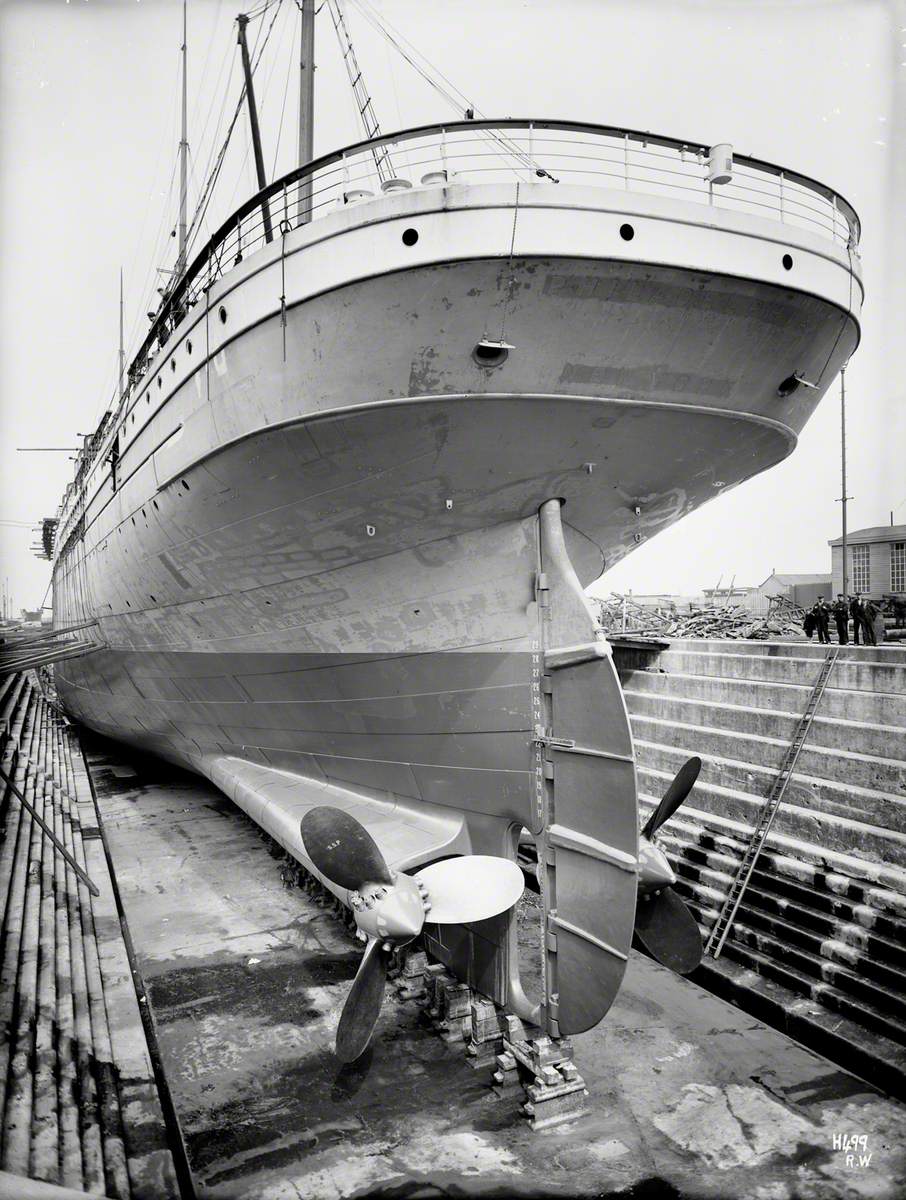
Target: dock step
(79,1105)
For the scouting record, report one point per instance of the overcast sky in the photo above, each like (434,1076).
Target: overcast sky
(88,142)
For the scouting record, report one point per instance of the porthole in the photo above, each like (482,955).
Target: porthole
(627,233)
(223,315)
(152,597)
(185,485)
(188,347)
(410,237)
(154,502)
(787,261)
(172,364)
(160,382)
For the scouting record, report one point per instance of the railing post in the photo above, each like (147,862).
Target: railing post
(443,151)
(834,217)
(626,161)
(531,148)
(782,216)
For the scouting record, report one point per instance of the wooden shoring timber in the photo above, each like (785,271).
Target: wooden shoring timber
(19,637)
(33,659)
(86,1089)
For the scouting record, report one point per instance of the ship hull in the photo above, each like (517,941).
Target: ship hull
(325,550)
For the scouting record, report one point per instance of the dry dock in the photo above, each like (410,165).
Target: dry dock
(245,978)
(228,1087)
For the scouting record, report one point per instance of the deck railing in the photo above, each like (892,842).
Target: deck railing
(492,151)
(538,151)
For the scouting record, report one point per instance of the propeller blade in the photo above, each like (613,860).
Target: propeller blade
(471,888)
(669,932)
(682,785)
(363,1004)
(342,848)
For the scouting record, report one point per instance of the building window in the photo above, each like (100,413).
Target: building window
(898,566)
(861,576)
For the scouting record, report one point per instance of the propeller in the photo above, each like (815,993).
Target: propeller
(663,924)
(390,907)
(682,785)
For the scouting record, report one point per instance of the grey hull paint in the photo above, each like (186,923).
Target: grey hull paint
(328,564)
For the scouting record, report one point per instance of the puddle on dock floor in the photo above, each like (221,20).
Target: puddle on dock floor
(690,1097)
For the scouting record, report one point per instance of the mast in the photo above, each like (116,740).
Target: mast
(183,156)
(242,20)
(306,103)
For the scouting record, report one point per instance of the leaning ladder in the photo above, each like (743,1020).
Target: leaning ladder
(727,914)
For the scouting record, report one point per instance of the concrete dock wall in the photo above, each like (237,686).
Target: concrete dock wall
(818,943)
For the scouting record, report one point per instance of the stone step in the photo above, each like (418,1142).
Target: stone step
(78,1101)
(849,673)
(877,1059)
(883,741)
(873,772)
(802,858)
(873,708)
(800,648)
(853,924)
(789,926)
(743,947)
(813,811)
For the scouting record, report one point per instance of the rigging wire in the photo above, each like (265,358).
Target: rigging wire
(457,99)
(451,93)
(205,199)
(289,68)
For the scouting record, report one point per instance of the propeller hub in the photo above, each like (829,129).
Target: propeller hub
(396,913)
(655,872)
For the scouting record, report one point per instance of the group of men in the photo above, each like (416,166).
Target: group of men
(864,617)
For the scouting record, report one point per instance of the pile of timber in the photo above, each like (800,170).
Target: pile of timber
(621,614)
(79,1105)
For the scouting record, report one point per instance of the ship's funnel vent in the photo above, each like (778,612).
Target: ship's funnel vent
(491,354)
(720,163)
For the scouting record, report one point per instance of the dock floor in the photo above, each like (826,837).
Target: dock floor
(689,1096)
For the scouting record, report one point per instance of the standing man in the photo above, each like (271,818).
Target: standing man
(868,622)
(822,618)
(857,612)
(841,618)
